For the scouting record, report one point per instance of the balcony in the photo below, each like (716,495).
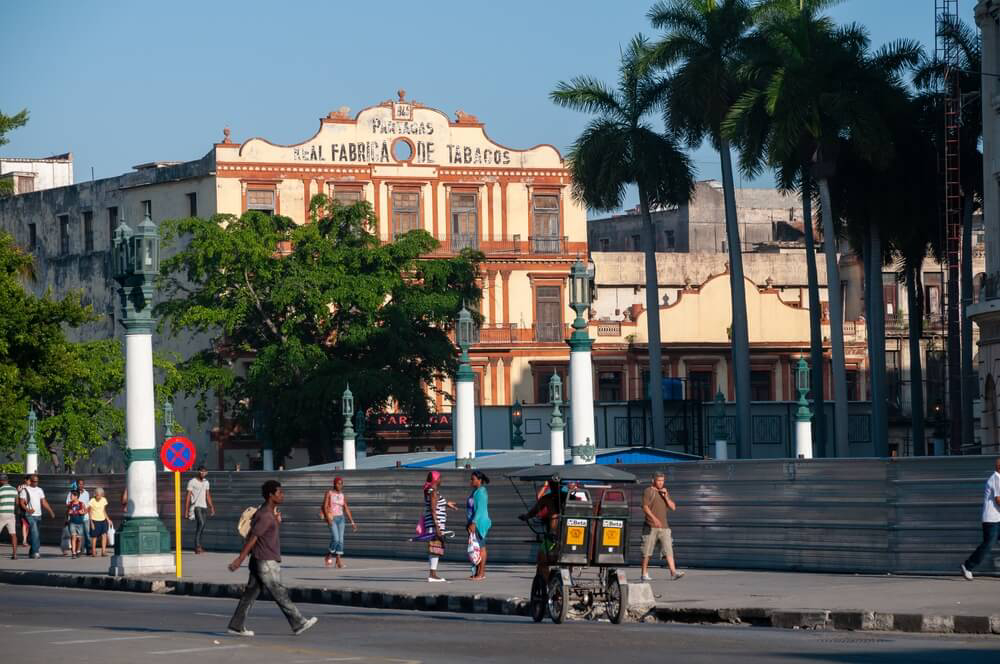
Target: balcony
(505,335)
(609,328)
(547,244)
(493,245)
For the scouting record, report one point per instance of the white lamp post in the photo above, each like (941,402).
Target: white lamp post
(464,430)
(803,417)
(557,450)
(581,372)
(31,461)
(720,435)
(142,545)
(347,409)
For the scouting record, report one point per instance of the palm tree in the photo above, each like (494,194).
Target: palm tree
(620,148)
(930,78)
(818,83)
(703,49)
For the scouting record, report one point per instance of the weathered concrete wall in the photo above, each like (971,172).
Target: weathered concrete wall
(56,171)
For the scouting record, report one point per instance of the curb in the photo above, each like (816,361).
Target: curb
(869,621)
(517,606)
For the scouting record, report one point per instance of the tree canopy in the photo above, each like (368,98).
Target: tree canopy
(71,386)
(313,308)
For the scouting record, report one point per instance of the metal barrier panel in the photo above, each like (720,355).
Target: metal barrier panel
(831,515)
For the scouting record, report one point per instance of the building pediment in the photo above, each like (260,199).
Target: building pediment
(396,132)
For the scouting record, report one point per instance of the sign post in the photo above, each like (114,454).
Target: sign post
(177,454)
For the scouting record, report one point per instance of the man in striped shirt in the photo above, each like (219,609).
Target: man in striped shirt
(8,497)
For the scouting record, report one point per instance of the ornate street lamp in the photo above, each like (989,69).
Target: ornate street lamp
(581,371)
(464,431)
(31,462)
(347,410)
(143,544)
(517,419)
(168,419)
(557,454)
(803,426)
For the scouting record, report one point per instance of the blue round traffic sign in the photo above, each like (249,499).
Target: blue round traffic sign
(178,454)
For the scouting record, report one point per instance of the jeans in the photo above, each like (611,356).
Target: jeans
(33,536)
(200,521)
(265,574)
(337,536)
(991,534)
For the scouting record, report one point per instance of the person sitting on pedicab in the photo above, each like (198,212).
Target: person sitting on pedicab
(547,509)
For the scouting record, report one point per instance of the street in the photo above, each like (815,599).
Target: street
(114,627)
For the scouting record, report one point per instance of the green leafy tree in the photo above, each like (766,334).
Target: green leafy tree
(620,148)
(9,123)
(71,386)
(703,49)
(314,307)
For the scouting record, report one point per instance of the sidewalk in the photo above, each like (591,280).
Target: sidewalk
(783,599)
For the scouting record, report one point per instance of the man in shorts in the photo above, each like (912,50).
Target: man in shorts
(656,502)
(8,520)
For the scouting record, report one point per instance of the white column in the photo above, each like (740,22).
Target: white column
(803,439)
(350,456)
(581,391)
(721,449)
(557,449)
(465,421)
(31,463)
(140,423)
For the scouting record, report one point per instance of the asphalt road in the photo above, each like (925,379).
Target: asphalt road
(50,625)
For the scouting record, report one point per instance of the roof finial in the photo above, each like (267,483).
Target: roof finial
(225,135)
(402,94)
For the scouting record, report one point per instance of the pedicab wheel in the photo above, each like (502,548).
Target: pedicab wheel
(616,599)
(538,597)
(557,601)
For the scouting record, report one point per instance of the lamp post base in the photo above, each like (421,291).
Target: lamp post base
(142,564)
(142,546)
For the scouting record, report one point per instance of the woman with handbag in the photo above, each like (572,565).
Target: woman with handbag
(478,523)
(432,527)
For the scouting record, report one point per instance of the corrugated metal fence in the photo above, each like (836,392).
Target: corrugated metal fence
(847,515)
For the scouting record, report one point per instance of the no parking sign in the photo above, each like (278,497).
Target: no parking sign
(178,454)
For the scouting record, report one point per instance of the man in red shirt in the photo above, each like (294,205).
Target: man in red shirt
(263,545)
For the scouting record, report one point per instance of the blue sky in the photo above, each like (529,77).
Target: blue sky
(122,83)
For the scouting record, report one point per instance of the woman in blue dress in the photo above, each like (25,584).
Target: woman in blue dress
(478,519)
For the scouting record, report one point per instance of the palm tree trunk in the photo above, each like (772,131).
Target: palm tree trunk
(815,326)
(915,311)
(876,346)
(841,445)
(737,288)
(653,325)
(970,382)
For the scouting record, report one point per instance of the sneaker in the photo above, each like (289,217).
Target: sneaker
(240,632)
(435,579)
(36,555)
(675,577)
(646,577)
(966,573)
(306,625)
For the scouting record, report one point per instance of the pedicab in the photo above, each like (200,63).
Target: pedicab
(581,529)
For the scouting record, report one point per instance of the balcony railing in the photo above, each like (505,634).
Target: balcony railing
(609,328)
(515,334)
(547,244)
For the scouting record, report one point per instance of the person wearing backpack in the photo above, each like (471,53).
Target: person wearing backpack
(263,545)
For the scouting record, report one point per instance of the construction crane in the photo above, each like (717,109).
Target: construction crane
(947,54)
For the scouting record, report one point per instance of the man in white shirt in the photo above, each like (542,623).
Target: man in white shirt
(991,523)
(197,503)
(33,501)
(85,499)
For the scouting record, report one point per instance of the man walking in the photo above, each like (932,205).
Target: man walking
(80,486)
(33,500)
(655,503)
(991,523)
(263,544)
(8,522)
(200,497)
